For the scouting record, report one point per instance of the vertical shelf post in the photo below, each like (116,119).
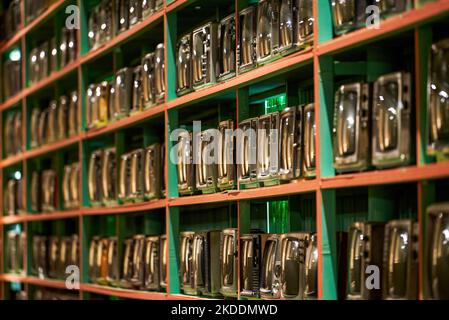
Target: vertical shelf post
(326,229)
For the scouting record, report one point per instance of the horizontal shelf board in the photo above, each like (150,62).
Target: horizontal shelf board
(201,199)
(52,77)
(53,215)
(6,45)
(125,208)
(40,216)
(268,71)
(16,99)
(12,219)
(395,24)
(8,277)
(123,293)
(185,297)
(125,122)
(12,160)
(303,186)
(176,5)
(21,33)
(52,147)
(122,37)
(40,151)
(57,284)
(389,176)
(39,85)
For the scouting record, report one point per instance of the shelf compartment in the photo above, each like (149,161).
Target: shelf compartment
(33,24)
(126,208)
(40,151)
(125,36)
(271,70)
(13,100)
(175,5)
(123,293)
(402,22)
(40,85)
(125,122)
(185,297)
(52,147)
(11,160)
(57,284)
(56,215)
(390,176)
(238,195)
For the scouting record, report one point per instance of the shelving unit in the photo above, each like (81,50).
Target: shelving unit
(315,63)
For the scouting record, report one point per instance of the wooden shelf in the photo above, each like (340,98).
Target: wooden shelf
(277,67)
(125,122)
(303,186)
(52,147)
(122,37)
(176,5)
(53,215)
(185,297)
(12,101)
(201,199)
(123,293)
(52,78)
(7,44)
(12,219)
(98,289)
(50,283)
(9,277)
(125,208)
(93,211)
(33,24)
(389,176)
(56,215)
(12,160)
(396,24)
(39,151)
(57,284)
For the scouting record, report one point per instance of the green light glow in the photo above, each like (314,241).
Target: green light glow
(278,220)
(15,55)
(275,103)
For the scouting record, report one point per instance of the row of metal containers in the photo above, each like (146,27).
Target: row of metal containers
(135,176)
(380,260)
(268,30)
(284,266)
(45,59)
(205,56)
(11,17)
(131,90)
(44,192)
(375,260)
(56,122)
(373,122)
(50,255)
